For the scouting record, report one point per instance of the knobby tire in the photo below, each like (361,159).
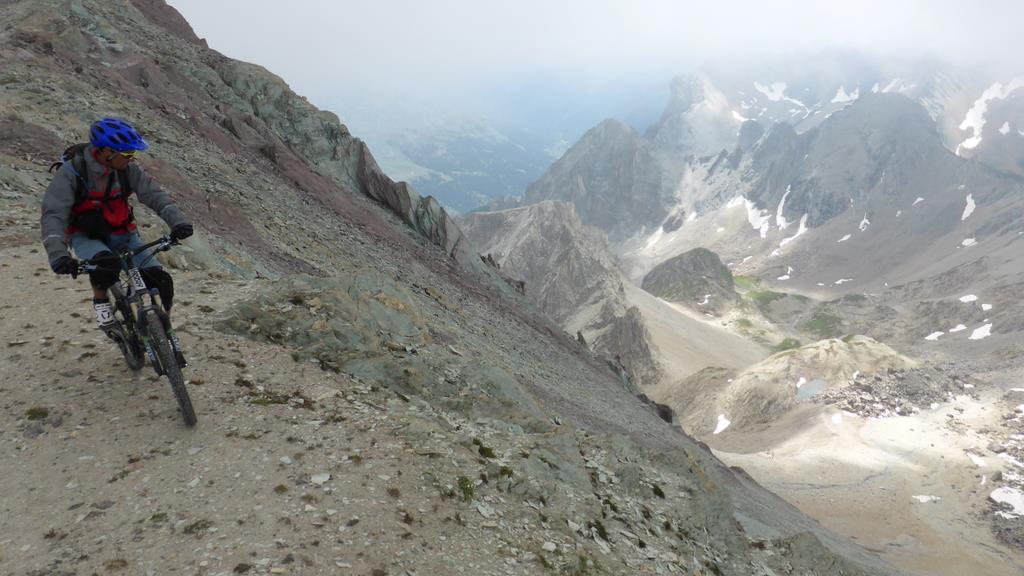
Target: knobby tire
(165,356)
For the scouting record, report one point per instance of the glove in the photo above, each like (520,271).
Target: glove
(64,265)
(181,231)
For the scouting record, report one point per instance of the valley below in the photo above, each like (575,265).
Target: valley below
(914,489)
(920,488)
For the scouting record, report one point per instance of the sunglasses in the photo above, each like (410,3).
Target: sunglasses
(129,155)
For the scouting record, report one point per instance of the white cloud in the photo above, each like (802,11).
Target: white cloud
(322,45)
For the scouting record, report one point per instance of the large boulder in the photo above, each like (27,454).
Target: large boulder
(697,278)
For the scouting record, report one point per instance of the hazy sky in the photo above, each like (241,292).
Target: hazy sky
(445,45)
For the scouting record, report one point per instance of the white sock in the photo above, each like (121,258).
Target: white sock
(104,313)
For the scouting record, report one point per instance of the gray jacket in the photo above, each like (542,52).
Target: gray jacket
(60,197)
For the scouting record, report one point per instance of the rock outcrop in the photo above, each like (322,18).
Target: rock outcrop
(697,278)
(612,177)
(570,274)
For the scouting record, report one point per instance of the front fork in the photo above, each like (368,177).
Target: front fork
(165,320)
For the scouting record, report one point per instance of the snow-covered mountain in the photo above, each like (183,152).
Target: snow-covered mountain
(873,178)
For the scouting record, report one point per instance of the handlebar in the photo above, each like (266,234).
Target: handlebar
(161,244)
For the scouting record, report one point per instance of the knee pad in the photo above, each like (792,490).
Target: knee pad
(158,278)
(103,279)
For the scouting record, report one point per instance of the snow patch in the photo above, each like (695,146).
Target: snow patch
(739,117)
(918,201)
(837,418)
(783,277)
(801,382)
(723,423)
(775,92)
(892,85)
(864,223)
(969,242)
(653,240)
(934,336)
(982,332)
(1009,495)
(968,298)
(800,231)
(720,230)
(978,460)
(842,281)
(974,121)
(899,213)
(842,97)
(926,499)
(959,328)
(759,219)
(779,218)
(969,209)
(845,238)
(986,307)
(1005,128)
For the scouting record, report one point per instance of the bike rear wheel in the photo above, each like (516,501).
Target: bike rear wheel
(169,364)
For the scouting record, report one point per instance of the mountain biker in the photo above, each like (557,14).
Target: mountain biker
(97,221)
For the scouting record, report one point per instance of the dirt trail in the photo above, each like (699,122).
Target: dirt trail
(100,474)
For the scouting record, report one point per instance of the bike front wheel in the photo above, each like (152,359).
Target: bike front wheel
(169,364)
(127,338)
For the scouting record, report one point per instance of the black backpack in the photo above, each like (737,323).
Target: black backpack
(91,222)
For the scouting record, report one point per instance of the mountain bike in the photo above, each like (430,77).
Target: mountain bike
(142,329)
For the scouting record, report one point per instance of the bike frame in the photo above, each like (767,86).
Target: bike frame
(136,292)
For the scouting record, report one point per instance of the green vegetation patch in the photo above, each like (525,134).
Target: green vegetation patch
(746,283)
(37,413)
(764,298)
(787,344)
(465,486)
(823,325)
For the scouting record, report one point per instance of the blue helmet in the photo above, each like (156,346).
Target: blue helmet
(116,134)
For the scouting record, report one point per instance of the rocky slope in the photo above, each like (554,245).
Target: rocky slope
(372,399)
(570,275)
